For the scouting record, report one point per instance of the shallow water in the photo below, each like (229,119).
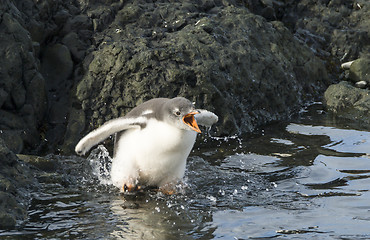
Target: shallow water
(309,178)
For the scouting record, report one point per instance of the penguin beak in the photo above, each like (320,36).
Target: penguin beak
(189,120)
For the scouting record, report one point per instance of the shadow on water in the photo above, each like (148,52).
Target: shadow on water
(307,179)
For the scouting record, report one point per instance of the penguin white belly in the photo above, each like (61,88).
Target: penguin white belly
(154,156)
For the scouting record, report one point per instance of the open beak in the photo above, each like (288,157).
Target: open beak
(189,120)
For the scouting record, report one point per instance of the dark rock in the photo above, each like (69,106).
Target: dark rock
(10,120)
(7,220)
(79,22)
(16,182)
(103,14)
(18,95)
(56,65)
(22,102)
(343,24)
(75,127)
(234,63)
(75,45)
(36,96)
(3,96)
(347,101)
(61,17)
(54,137)
(360,70)
(113,55)
(13,140)
(58,112)
(44,164)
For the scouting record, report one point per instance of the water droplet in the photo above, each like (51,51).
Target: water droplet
(212,198)
(221,192)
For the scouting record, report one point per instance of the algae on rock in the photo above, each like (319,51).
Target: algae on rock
(245,69)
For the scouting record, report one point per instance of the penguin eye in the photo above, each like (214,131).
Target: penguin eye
(178,113)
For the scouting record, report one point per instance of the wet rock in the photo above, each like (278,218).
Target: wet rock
(7,219)
(56,65)
(130,205)
(361,84)
(16,182)
(10,120)
(347,101)
(3,96)
(75,45)
(22,102)
(357,71)
(346,65)
(75,127)
(36,96)
(13,140)
(103,14)
(234,63)
(360,70)
(113,55)
(79,22)
(343,26)
(61,17)
(58,112)
(42,163)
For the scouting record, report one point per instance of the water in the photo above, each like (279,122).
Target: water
(306,179)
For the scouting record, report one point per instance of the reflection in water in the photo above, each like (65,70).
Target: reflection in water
(341,140)
(145,220)
(308,179)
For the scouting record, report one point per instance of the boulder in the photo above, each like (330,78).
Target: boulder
(99,59)
(336,29)
(245,69)
(360,70)
(56,65)
(22,92)
(347,101)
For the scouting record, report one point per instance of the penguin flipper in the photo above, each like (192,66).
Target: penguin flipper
(103,132)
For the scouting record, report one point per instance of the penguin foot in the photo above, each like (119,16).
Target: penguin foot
(167,191)
(130,188)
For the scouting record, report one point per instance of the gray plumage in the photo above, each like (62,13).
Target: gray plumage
(152,141)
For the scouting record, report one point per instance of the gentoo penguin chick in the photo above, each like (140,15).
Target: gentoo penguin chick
(152,142)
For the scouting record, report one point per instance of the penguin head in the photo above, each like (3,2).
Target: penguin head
(180,113)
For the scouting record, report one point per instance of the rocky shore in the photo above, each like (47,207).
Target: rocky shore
(69,66)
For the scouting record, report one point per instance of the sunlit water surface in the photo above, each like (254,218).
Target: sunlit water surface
(299,180)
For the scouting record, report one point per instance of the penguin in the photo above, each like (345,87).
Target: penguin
(152,143)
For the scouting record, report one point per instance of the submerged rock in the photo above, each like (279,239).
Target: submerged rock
(44,164)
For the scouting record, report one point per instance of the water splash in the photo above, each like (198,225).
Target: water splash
(100,163)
